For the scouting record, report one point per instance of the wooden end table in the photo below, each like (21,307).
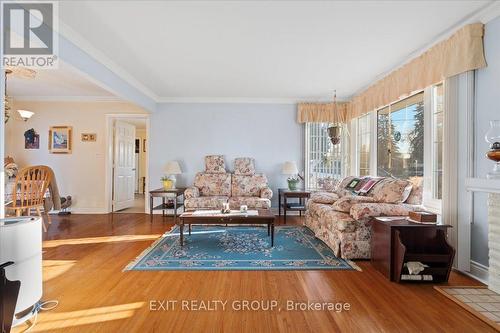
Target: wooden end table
(395,241)
(173,193)
(265,216)
(286,193)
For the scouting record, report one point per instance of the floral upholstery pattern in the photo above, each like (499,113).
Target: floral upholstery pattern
(323,197)
(415,197)
(212,202)
(215,164)
(211,184)
(391,190)
(345,224)
(344,204)
(348,243)
(244,166)
(366,211)
(328,184)
(191,192)
(266,193)
(214,187)
(251,202)
(248,186)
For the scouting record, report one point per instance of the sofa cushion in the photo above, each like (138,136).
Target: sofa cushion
(213,202)
(365,211)
(244,166)
(248,186)
(324,197)
(215,164)
(344,182)
(344,204)
(415,197)
(213,183)
(330,218)
(251,202)
(328,184)
(391,190)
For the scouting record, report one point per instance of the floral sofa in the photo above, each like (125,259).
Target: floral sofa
(343,220)
(216,186)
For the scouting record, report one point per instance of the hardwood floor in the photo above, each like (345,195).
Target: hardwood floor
(84,256)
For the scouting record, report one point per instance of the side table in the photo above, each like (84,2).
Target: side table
(396,241)
(173,193)
(284,194)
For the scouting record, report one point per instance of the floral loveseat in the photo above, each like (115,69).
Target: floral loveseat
(216,186)
(343,220)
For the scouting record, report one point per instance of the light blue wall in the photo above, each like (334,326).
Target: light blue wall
(187,132)
(487,108)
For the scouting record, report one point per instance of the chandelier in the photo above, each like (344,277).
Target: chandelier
(335,128)
(19,72)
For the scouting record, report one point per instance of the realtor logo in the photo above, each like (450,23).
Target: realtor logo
(29,34)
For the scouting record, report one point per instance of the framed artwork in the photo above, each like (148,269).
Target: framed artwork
(89,137)
(31,139)
(60,140)
(144,145)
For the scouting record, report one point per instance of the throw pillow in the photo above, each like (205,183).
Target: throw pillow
(324,197)
(391,190)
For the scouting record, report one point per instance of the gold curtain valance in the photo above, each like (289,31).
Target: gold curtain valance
(460,53)
(322,112)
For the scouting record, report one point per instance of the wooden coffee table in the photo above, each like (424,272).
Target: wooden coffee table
(260,216)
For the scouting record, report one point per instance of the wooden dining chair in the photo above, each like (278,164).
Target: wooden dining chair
(29,190)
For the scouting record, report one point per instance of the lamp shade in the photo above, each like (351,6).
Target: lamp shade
(289,168)
(173,168)
(25,114)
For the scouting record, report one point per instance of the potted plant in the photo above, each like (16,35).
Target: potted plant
(293,181)
(167,182)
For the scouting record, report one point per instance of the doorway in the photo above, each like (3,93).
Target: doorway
(127,163)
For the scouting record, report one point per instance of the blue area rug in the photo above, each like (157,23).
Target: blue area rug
(238,248)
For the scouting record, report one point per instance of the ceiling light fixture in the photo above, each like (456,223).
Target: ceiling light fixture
(23,73)
(25,114)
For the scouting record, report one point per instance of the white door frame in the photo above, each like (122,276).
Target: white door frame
(108,159)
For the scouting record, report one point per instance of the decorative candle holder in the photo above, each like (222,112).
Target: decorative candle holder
(493,138)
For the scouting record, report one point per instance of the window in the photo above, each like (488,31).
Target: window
(437,141)
(323,159)
(364,145)
(400,138)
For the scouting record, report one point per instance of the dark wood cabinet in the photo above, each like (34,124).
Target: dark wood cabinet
(396,242)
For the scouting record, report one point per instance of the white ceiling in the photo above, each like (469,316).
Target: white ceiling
(260,49)
(253,50)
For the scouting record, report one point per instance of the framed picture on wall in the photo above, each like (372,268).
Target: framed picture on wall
(60,140)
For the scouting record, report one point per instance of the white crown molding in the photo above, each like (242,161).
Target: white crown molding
(484,15)
(68,99)
(241,100)
(87,47)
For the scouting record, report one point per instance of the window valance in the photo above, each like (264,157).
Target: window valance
(460,53)
(322,112)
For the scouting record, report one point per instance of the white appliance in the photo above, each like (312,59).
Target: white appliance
(21,242)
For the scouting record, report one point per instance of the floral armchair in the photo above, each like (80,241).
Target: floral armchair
(343,220)
(247,187)
(215,186)
(211,188)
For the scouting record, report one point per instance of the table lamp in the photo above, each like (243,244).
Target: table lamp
(171,169)
(290,168)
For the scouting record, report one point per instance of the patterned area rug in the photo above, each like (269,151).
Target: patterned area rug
(239,248)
